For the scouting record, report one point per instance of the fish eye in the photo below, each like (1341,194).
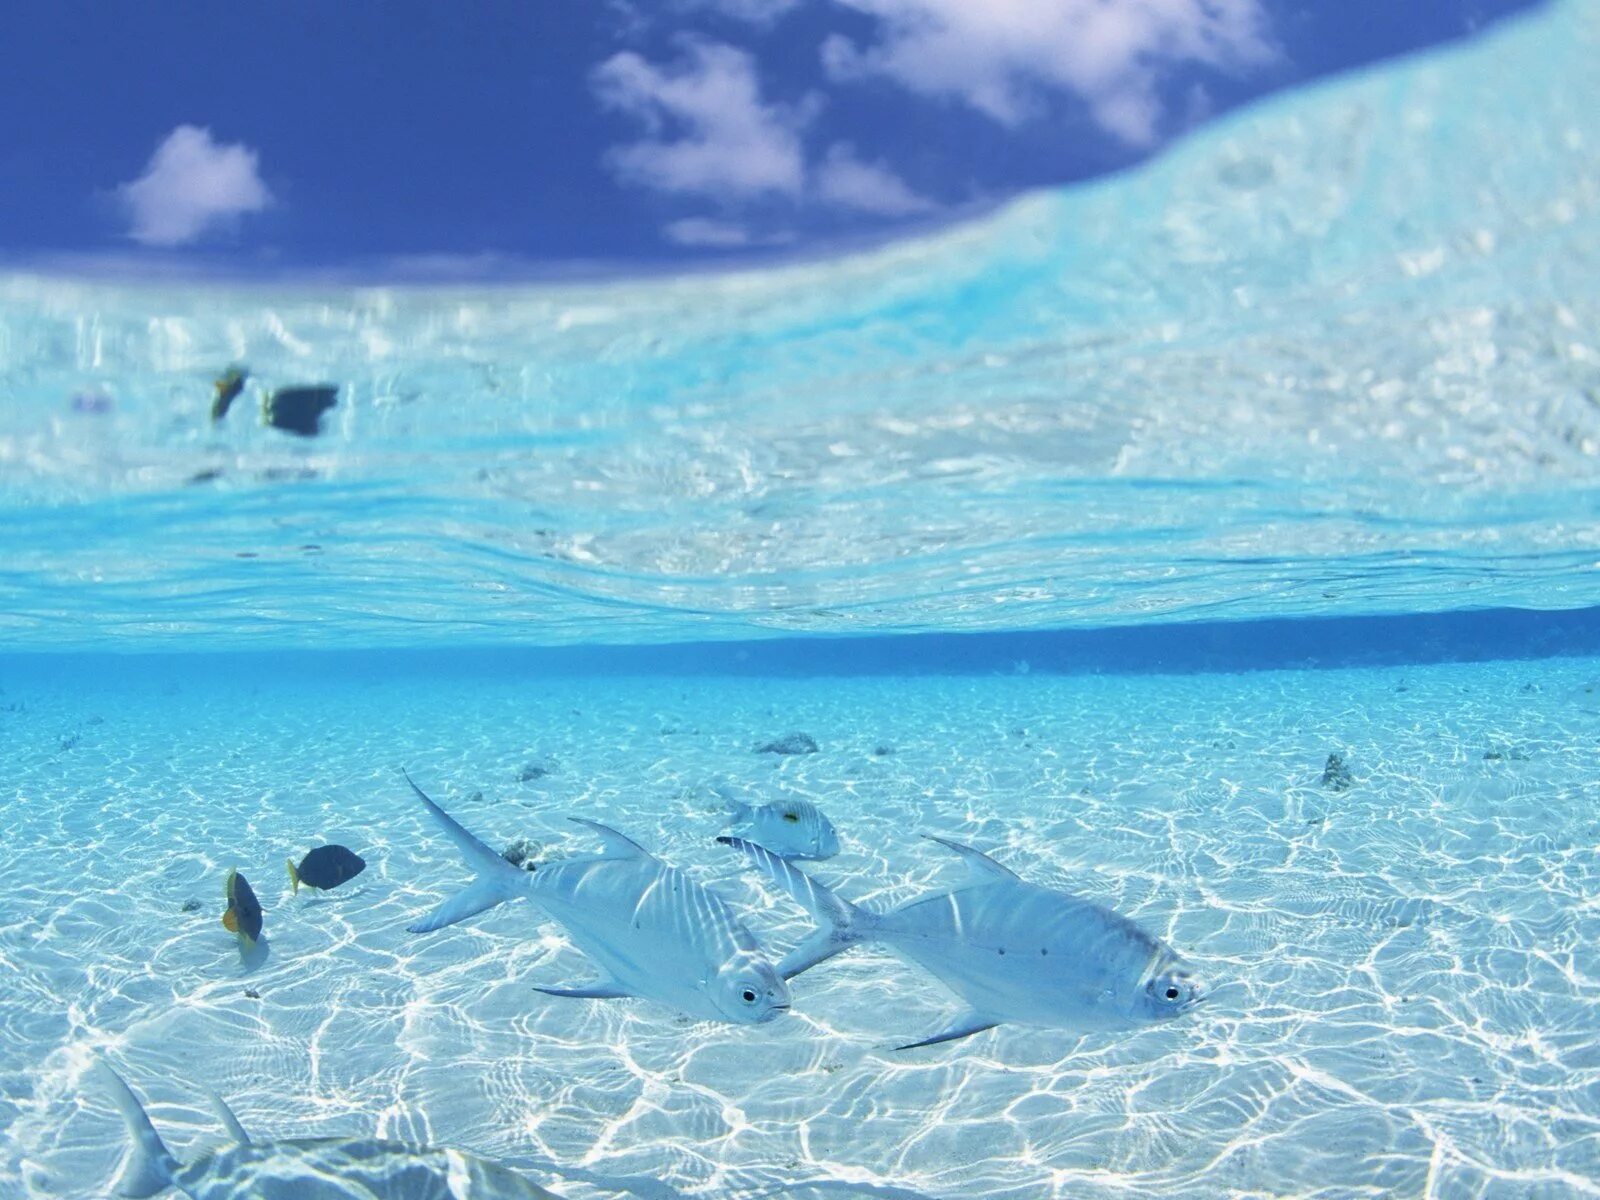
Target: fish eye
(749,995)
(1172,993)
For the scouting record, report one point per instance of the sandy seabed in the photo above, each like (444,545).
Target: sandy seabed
(1405,975)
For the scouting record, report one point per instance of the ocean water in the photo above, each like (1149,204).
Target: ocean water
(1084,533)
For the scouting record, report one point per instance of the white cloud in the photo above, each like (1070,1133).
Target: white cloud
(722,235)
(711,132)
(191,185)
(1003,56)
(844,181)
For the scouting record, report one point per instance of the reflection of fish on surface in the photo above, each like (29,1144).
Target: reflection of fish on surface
(303,1168)
(654,932)
(792,828)
(325,868)
(1012,950)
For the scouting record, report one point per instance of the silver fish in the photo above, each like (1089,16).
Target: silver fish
(653,931)
(303,1168)
(1012,950)
(789,828)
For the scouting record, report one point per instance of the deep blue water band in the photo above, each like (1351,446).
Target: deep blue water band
(1411,639)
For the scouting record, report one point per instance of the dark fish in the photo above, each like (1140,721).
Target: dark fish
(228,385)
(299,409)
(244,912)
(326,868)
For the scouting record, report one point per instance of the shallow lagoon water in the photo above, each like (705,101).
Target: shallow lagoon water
(1404,1001)
(1333,358)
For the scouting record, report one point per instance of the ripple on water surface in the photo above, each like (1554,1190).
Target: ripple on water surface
(1335,355)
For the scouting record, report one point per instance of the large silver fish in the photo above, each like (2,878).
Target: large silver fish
(792,828)
(303,1168)
(653,931)
(1012,950)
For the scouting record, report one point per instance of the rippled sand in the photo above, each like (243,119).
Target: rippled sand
(1408,968)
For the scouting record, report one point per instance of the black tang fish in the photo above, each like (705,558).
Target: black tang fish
(325,868)
(244,911)
(299,409)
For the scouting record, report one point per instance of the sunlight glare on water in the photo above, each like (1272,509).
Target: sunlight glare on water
(1335,355)
(1334,358)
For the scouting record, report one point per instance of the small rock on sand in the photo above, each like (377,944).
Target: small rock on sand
(521,853)
(1336,775)
(792,743)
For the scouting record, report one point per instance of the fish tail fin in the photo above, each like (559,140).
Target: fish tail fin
(229,1121)
(497,880)
(149,1168)
(843,924)
(294,876)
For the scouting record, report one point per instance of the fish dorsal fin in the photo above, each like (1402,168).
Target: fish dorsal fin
(229,1121)
(981,868)
(618,845)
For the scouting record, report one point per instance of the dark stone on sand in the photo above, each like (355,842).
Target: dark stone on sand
(882,749)
(1335,775)
(793,743)
(69,740)
(521,853)
(532,771)
(252,994)
(209,475)
(475,798)
(299,409)
(191,905)
(1513,754)
(97,719)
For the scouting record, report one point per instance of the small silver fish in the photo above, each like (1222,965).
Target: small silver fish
(789,828)
(1012,950)
(654,932)
(303,1168)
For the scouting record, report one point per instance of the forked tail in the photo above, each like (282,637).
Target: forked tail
(842,924)
(150,1167)
(497,880)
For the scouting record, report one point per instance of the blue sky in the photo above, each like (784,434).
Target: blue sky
(552,135)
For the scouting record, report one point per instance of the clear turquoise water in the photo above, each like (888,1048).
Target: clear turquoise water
(1332,362)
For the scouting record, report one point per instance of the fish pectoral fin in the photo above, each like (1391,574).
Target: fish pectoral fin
(618,845)
(963,1026)
(230,921)
(819,947)
(600,989)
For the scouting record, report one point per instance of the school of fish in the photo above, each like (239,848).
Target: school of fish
(1009,951)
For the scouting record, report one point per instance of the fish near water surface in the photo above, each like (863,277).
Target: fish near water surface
(792,828)
(303,1168)
(653,931)
(325,868)
(1013,951)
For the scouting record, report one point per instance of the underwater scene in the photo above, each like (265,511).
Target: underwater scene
(1099,700)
